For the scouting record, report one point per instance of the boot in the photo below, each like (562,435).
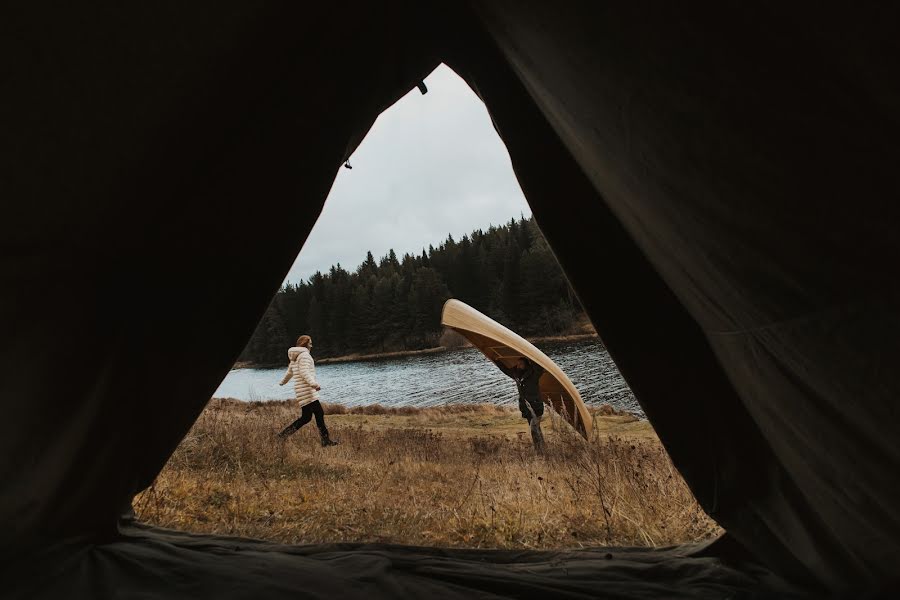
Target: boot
(286,432)
(326,440)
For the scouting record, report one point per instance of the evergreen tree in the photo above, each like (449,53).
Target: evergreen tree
(510,281)
(507,272)
(426,298)
(368,267)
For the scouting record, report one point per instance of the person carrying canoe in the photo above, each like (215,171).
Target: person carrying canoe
(302,370)
(527,374)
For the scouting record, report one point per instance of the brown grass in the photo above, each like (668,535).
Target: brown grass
(459,475)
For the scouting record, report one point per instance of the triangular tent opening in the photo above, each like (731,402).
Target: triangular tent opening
(440,430)
(739,164)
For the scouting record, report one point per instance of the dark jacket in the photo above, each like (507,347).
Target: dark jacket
(527,380)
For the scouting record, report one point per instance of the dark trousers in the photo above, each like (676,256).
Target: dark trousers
(313,409)
(529,407)
(532,411)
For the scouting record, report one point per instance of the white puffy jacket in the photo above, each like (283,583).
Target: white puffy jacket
(303,370)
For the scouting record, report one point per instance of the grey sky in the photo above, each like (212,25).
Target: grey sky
(432,165)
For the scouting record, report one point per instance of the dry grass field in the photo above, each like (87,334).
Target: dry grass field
(460,476)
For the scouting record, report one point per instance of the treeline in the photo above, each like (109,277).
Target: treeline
(506,272)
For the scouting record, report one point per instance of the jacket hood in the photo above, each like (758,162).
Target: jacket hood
(294,352)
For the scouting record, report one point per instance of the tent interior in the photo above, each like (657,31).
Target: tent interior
(731,166)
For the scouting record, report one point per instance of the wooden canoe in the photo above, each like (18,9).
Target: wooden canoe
(499,343)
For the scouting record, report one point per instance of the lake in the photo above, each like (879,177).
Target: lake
(457,376)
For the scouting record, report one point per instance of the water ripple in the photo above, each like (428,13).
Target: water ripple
(463,376)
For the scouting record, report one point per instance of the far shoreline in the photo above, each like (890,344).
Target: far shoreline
(550,339)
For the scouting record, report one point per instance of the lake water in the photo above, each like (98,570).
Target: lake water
(460,376)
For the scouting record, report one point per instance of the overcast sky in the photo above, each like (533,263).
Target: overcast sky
(431,166)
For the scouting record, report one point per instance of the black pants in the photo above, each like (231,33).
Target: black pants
(313,409)
(527,406)
(532,411)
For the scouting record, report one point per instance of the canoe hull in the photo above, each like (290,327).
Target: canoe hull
(499,343)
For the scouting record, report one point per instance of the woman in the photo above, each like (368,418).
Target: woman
(303,370)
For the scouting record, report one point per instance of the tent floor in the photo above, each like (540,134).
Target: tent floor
(148,563)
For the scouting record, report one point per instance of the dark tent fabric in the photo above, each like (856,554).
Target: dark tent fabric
(719,183)
(762,192)
(179,565)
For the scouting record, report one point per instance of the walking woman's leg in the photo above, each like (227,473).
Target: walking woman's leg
(320,422)
(319,414)
(306,415)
